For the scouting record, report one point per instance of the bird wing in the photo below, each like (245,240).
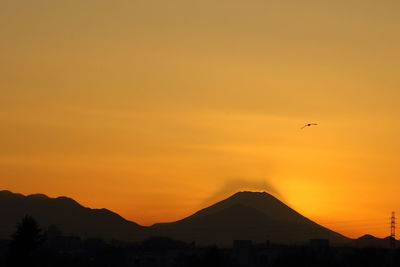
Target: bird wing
(308,124)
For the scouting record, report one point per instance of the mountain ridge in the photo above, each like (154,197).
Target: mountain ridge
(256,216)
(64,212)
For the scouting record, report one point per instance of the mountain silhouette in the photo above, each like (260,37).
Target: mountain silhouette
(247,216)
(65,213)
(252,216)
(374,242)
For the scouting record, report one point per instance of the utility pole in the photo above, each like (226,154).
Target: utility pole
(393,230)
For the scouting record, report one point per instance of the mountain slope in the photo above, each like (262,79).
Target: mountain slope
(247,215)
(68,215)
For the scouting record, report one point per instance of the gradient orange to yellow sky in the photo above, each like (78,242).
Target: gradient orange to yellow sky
(155,109)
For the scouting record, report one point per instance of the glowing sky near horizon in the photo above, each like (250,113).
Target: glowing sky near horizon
(154,109)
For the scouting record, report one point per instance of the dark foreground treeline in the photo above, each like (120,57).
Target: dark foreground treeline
(30,246)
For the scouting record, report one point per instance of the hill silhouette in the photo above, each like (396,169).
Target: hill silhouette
(243,216)
(374,242)
(67,214)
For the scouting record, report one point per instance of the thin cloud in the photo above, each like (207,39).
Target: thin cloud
(234,185)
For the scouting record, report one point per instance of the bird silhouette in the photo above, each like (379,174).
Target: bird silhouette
(308,125)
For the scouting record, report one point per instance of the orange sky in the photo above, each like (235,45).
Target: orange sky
(155,109)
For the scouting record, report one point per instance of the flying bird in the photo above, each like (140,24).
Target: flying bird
(308,125)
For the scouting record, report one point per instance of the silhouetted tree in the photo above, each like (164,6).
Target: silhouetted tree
(26,240)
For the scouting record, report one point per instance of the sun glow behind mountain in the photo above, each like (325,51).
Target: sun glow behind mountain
(152,108)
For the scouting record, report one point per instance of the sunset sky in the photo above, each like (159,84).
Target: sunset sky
(155,109)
